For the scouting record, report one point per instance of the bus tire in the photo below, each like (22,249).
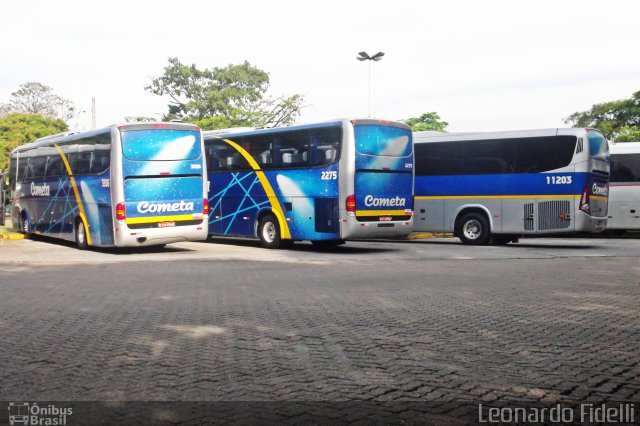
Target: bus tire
(81,235)
(269,232)
(474,229)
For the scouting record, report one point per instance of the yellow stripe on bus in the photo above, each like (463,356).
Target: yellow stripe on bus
(83,217)
(152,219)
(494,197)
(382,213)
(275,204)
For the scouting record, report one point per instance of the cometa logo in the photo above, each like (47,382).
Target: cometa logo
(600,190)
(42,190)
(147,207)
(371,201)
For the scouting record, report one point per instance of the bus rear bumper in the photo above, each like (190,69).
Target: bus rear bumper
(156,236)
(591,224)
(352,229)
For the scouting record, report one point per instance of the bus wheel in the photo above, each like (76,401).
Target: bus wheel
(474,229)
(81,235)
(269,232)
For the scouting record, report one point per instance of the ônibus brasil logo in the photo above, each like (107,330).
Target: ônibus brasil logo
(147,207)
(24,413)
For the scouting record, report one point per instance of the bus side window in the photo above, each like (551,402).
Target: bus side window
(37,163)
(101,157)
(55,166)
(325,145)
(261,149)
(292,146)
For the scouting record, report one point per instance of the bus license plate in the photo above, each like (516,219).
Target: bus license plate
(166,224)
(385,218)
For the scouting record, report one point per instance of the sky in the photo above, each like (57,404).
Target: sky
(481,65)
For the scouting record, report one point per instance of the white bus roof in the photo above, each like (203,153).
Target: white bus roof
(430,136)
(624,148)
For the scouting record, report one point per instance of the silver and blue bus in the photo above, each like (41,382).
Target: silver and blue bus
(624,187)
(324,182)
(137,184)
(496,187)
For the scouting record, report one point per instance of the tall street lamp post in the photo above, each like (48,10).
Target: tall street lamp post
(364,56)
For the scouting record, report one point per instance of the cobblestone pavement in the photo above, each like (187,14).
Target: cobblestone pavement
(564,329)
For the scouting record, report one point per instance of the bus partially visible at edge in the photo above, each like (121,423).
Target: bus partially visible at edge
(624,192)
(325,182)
(137,184)
(496,187)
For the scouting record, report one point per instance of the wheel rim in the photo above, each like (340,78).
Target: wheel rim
(472,229)
(269,232)
(80,233)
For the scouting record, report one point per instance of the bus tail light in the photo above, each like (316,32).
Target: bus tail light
(584,200)
(350,203)
(205,206)
(120,212)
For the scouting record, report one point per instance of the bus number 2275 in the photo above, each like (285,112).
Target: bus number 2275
(329,175)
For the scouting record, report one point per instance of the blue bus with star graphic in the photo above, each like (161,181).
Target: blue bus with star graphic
(324,182)
(130,185)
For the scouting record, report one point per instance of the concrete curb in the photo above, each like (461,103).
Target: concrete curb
(11,237)
(7,234)
(427,235)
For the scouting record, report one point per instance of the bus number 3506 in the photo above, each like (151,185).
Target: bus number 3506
(559,180)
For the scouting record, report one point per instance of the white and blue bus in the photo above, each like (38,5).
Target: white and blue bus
(136,184)
(497,187)
(624,188)
(324,182)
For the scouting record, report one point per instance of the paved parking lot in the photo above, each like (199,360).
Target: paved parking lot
(544,320)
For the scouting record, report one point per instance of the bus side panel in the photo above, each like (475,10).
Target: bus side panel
(96,200)
(237,199)
(310,201)
(624,207)
(50,205)
(429,215)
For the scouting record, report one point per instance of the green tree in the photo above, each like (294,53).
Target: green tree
(628,134)
(427,121)
(17,129)
(615,119)
(37,98)
(234,95)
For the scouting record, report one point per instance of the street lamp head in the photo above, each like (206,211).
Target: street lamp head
(377,56)
(363,56)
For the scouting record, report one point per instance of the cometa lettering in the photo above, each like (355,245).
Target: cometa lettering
(597,190)
(42,190)
(371,201)
(147,207)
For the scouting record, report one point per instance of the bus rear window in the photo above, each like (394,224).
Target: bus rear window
(382,140)
(161,145)
(598,147)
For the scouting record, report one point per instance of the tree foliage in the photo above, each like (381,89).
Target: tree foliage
(37,98)
(618,120)
(17,129)
(230,96)
(427,121)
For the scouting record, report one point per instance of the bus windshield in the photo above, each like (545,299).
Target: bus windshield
(598,147)
(383,140)
(160,145)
